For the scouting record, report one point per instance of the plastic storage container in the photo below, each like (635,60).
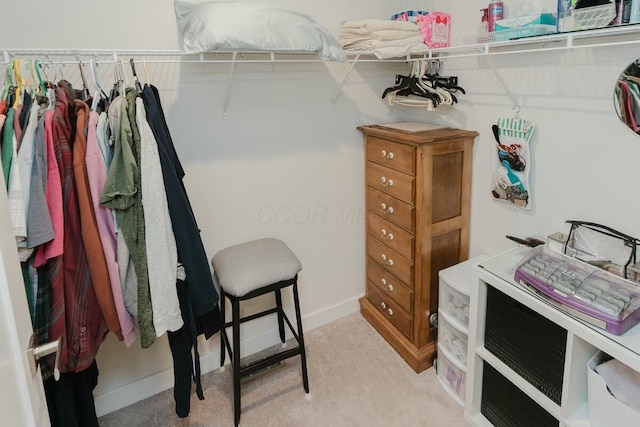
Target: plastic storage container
(594,295)
(453,326)
(453,340)
(455,287)
(604,409)
(452,377)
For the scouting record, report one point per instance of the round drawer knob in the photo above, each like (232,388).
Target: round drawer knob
(383,305)
(386,182)
(386,209)
(385,235)
(386,261)
(390,311)
(390,287)
(385,155)
(383,281)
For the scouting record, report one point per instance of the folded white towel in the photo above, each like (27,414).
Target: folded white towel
(400,51)
(347,38)
(375,44)
(370,25)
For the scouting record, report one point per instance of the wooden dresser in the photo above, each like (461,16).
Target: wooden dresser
(418,187)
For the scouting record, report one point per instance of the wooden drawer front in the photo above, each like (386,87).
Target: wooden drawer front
(390,260)
(390,310)
(396,211)
(391,154)
(391,181)
(389,285)
(391,235)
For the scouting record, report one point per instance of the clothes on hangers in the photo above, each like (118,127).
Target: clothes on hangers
(196,291)
(95,259)
(627,100)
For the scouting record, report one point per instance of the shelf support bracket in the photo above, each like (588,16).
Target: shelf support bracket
(344,80)
(228,94)
(514,100)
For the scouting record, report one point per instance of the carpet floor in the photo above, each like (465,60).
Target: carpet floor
(355,379)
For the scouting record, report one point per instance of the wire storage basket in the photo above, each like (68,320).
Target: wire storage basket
(594,17)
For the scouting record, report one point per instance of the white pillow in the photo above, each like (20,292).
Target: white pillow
(252,26)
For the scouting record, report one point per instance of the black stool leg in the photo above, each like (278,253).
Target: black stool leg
(280,315)
(223,334)
(303,354)
(235,308)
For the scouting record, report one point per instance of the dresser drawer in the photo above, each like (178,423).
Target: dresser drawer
(389,285)
(390,260)
(391,235)
(391,154)
(395,210)
(391,181)
(390,310)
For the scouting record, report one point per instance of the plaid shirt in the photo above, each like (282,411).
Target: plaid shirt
(75,310)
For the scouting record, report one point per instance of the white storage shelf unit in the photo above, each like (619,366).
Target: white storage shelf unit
(583,341)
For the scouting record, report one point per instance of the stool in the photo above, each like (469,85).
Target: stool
(246,271)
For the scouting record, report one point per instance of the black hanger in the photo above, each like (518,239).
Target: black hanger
(135,75)
(84,94)
(409,85)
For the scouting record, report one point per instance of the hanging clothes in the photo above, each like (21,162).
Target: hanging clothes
(97,175)
(121,193)
(77,316)
(89,227)
(70,400)
(196,291)
(7,145)
(161,248)
(95,257)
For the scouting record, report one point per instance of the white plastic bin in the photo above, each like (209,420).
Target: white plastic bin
(452,378)
(455,287)
(604,409)
(453,340)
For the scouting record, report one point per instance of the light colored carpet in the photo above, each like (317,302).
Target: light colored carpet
(355,379)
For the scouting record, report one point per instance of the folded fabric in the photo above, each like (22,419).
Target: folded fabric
(375,44)
(622,381)
(370,25)
(346,38)
(400,51)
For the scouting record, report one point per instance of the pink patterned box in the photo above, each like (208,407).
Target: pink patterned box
(436,29)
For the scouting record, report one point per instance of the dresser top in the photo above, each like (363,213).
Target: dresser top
(416,133)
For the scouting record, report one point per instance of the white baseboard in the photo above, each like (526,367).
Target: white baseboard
(161,381)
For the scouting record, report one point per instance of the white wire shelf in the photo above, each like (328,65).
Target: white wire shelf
(601,37)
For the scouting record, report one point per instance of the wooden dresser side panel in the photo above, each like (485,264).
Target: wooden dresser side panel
(443,179)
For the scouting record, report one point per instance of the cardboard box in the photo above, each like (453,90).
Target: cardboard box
(604,409)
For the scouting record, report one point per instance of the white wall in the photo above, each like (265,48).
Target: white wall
(284,163)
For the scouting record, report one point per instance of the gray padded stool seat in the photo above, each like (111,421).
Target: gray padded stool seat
(248,270)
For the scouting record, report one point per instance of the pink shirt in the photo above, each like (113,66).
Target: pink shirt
(53,194)
(97,174)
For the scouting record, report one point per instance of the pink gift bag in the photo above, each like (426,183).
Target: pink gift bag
(435,28)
